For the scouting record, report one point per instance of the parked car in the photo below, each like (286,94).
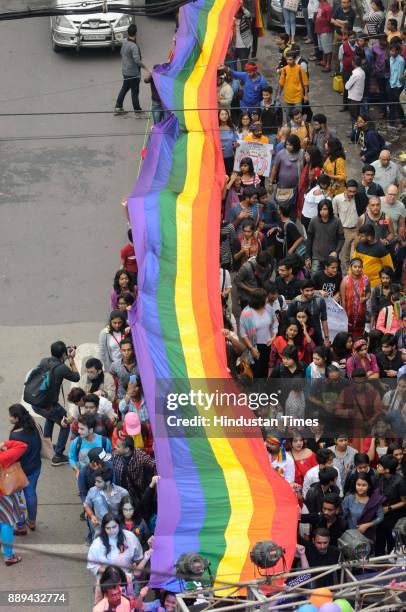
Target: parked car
(274,15)
(88,29)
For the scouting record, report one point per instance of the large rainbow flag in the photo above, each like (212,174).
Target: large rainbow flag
(217,495)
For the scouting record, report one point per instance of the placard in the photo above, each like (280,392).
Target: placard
(336,317)
(261,155)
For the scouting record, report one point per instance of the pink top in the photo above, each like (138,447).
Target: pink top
(391,325)
(369,365)
(103,605)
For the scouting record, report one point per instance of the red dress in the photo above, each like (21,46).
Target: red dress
(302,466)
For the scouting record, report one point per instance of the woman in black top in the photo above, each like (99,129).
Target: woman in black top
(25,430)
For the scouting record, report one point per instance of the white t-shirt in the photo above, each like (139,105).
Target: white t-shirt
(310,202)
(263,324)
(285,468)
(97,553)
(225,280)
(105,409)
(312,476)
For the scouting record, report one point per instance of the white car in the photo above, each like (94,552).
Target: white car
(88,29)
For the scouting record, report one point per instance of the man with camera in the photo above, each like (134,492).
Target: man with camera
(44,383)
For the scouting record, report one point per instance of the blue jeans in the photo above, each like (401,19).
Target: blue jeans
(289,18)
(305,10)
(30,493)
(158,113)
(7,539)
(54,414)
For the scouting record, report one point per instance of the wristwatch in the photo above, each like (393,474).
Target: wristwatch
(389,508)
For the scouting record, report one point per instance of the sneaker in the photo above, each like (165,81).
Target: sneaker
(119,111)
(140,115)
(59,460)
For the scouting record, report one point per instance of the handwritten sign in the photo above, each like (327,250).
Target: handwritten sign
(336,317)
(261,155)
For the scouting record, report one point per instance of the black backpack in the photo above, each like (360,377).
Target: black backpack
(37,387)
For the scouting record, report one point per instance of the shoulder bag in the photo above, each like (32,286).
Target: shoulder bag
(12,479)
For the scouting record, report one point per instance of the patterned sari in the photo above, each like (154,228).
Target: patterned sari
(355,308)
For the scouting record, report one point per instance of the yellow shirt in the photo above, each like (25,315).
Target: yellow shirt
(374,257)
(262,140)
(391,35)
(293,79)
(303,131)
(338,170)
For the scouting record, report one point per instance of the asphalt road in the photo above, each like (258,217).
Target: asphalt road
(62,178)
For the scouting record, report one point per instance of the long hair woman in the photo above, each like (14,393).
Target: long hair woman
(256,333)
(341,349)
(354,292)
(228,139)
(335,167)
(115,546)
(123,283)
(311,171)
(110,338)
(363,507)
(25,430)
(248,176)
(293,334)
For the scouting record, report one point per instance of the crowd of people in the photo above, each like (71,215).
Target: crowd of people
(291,243)
(309,235)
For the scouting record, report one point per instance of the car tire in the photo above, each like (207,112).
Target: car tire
(56,48)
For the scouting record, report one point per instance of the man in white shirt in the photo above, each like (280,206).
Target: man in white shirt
(345,209)
(325,458)
(387,172)
(355,87)
(280,460)
(395,210)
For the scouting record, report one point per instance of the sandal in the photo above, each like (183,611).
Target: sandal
(31,525)
(12,560)
(20,531)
